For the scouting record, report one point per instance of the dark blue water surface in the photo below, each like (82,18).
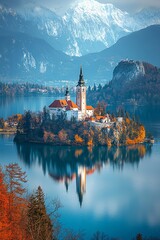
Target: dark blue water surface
(114,190)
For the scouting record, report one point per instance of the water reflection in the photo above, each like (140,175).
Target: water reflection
(64,164)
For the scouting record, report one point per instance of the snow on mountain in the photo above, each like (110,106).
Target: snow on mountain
(28,61)
(88,26)
(43,18)
(147,16)
(91,22)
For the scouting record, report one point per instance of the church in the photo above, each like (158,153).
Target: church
(79,110)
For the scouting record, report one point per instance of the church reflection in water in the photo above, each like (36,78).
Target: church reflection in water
(65,164)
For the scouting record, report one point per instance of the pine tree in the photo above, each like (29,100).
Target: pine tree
(46,115)
(94,88)
(27,122)
(99,87)
(89,88)
(39,222)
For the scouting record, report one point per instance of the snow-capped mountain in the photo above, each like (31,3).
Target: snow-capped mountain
(93,25)
(88,26)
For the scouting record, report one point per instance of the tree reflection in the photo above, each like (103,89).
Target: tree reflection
(63,164)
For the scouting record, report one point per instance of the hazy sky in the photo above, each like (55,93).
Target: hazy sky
(62,5)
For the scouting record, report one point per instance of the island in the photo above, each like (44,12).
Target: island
(67,123)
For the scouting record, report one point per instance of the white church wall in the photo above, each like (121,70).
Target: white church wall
(89,113)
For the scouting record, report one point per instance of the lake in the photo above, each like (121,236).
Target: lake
(112,190)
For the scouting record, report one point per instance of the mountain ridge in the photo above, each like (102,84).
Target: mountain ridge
(55,65)
(86,27)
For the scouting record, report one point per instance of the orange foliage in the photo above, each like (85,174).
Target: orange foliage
(78,139)
(5,231)
(13,219)
(139,139)
(48,136)
(128,121)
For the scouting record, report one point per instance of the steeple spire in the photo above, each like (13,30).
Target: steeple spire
(67,96)
(81,82)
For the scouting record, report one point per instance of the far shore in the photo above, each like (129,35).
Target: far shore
(8,131)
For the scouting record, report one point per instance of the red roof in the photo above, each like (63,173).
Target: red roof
(58,104)
(63,103)
(72,104)
(89,108)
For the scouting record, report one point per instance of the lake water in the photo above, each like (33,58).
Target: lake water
(114,190)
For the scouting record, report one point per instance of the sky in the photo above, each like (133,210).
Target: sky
(62,5)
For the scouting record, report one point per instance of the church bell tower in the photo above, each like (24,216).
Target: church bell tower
(81,94)
(67,96)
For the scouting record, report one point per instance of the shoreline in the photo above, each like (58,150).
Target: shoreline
(146,141)
(7,131)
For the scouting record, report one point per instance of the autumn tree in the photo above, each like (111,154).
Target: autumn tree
(15,179)
(78,139)
(62,135)
(5,230)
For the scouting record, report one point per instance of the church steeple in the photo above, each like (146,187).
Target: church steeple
(67,96)
(81,82)
(81,94)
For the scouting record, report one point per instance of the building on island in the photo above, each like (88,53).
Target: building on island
(78,110)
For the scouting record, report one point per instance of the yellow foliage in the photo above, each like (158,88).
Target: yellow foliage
(139,139)
(78,139)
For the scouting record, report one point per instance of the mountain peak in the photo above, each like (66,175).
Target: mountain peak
(92,7)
